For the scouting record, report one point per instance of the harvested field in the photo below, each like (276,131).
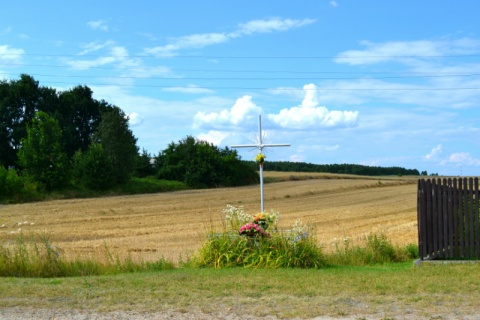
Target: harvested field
(174,225)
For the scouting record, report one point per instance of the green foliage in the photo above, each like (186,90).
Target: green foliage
(14,188)
(93,168)
(149,185)
(377,249)
(143,165)
(118,142)
(36,257)
(200,164)
(41,154)
(79,116)
(277,251)
(334,168)
(19,100)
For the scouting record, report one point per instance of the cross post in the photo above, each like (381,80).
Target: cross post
(260,146)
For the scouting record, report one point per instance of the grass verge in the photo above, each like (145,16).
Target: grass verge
(386,290)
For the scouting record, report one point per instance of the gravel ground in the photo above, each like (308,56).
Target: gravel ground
(40,314)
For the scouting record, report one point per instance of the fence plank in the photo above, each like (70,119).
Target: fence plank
(476,212)
(448,218)
(461,220)
(421,217)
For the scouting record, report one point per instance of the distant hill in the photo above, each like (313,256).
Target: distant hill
(335,168)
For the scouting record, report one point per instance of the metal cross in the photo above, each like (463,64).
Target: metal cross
(260,146)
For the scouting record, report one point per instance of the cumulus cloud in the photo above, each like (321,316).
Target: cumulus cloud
(310,115)
(213,136)
(134,119)
(244,110)
(435,153)
(206,39)
(98,25)
(12,55)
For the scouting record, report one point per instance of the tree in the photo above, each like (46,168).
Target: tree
(79,116)
(19,101)
(93,168)
(200,164)
(41,154)
(143,165)
(118,142)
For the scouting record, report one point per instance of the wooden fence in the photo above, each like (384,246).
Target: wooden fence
(448,219)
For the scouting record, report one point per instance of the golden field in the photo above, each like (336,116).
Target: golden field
(173,225)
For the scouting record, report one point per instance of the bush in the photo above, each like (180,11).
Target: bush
(277,251)
(15,188)
(255,249)
(93,169)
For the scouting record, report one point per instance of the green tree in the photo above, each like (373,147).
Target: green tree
(93,168)
(200,164)
(143,165)
(41,154)
(79,116)
(118,142)
(19,100)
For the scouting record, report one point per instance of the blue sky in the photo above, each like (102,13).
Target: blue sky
(382,83)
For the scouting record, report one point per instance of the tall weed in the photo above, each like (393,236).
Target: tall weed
(35,256)
(375,249)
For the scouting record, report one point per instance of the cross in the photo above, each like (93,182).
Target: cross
(260,145)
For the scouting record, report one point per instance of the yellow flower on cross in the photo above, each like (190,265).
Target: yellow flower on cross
(260,158)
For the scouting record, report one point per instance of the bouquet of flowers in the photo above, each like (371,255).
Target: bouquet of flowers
(252,229)
(260,158)
(266,219)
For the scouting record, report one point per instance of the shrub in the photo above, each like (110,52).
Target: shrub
(276,249)
(15,188)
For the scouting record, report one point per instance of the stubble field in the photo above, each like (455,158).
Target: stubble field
(174,225)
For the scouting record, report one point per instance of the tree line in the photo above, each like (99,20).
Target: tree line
(52,140)
(356,169)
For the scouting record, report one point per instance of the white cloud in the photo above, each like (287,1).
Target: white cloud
(244,110)
(206,39)
(98,25)
(461,159)
(189,89)
(213,136)
(334,3)
(435,153)
(134,119)
(407,51)
(95,46)
(269,25)
(310,115)
(12,55)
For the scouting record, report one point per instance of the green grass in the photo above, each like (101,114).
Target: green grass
(229,249)
(36,276)
(285,293)
(35,256)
